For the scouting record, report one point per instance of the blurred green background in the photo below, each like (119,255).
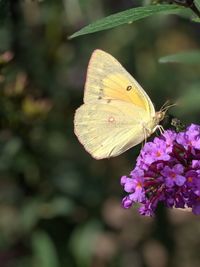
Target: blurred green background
(58,206)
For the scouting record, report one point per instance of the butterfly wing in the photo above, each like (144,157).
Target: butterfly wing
(108,129)
(107,79)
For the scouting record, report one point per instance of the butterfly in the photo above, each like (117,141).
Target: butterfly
(117,113)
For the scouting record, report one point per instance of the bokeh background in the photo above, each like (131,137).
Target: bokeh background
(58,206)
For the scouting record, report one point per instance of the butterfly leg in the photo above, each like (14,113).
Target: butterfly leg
(160,128)
(147,133)
(145,137)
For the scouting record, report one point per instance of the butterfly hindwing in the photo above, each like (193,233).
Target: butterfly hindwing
(109,129)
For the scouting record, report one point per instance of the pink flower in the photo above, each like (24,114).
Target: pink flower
(167,171)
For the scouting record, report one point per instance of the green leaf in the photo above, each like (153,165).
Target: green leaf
(35,209)
(44,253)
(196,17)
(83,241)
(188,103)
(196,20)
(191,57)
(127,16)
(197,3)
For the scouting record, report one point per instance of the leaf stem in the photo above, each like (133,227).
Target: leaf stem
(190,4)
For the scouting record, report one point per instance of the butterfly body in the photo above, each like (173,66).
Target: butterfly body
(117,114)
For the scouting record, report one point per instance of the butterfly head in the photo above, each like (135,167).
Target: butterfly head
(161,114)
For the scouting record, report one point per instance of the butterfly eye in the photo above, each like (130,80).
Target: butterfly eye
(128,88)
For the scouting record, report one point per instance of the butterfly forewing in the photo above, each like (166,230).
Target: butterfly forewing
(107,79)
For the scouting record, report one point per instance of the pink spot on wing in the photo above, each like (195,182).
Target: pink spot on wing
(111,119)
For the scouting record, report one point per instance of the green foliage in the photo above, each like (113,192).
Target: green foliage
(190,57)
(196,20)
(43,251)
(83,242)
(190,99)
(128,16)
(197,3)
(58,206)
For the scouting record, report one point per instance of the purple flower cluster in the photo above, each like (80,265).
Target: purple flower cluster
(168,171)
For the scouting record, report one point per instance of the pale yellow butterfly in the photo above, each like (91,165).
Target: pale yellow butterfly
(117,114)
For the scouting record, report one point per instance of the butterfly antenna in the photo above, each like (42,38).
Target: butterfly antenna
(166,106)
